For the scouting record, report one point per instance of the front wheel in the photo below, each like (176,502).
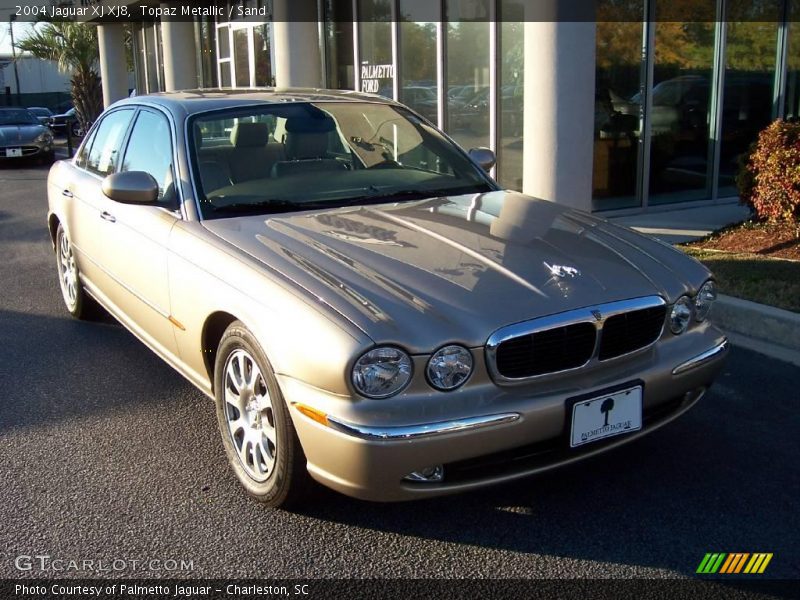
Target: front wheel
(257,431)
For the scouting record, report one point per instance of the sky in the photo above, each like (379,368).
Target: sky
(8,7)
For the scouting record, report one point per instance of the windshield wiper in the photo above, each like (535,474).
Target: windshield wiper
(377,196)
(267,206)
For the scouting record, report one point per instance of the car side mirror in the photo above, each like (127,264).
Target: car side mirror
(484,157)
(131,187)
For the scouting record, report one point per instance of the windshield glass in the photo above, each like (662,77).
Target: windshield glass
(285,157)
(17,117)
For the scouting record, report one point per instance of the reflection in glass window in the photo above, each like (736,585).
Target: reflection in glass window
(375,47)
(681,100)
(150,150)
(339,44)
(264,73)
(104,155)
(241,57)
(792,104)
(418,88)
(749,80)
(468,71)
(511,75)
(618,99)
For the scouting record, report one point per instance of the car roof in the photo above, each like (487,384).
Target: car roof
(194,101)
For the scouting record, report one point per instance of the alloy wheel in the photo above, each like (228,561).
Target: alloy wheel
(249,415)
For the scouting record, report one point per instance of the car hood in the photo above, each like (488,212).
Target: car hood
(19,134)
(455,269)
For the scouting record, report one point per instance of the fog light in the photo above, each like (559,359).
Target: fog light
(427,475)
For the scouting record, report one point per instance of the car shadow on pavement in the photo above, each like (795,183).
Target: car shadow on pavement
(723,478)
(56,369)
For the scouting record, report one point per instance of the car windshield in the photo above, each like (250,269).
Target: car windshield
(40,112)
(17,117)
(299,156)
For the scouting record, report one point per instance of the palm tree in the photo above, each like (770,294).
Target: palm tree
(74,47)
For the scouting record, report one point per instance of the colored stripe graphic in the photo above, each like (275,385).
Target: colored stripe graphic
(711,562)
(733,563)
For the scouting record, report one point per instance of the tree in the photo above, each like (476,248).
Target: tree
(74,47)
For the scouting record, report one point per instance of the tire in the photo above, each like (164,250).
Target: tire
(79,304)
(257,432)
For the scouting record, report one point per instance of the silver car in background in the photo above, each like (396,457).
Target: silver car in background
(365,305)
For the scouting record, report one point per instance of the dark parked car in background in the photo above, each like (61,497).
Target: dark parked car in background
(23,136)
(42,113)
(59,123)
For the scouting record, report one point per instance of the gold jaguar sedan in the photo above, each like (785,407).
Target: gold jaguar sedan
(363,302)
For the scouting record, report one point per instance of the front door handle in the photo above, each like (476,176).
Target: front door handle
(66,193)
(108,217)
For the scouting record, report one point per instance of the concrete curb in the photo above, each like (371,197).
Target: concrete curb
(759,322)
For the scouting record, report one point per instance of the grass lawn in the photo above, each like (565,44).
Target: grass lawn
(753,276)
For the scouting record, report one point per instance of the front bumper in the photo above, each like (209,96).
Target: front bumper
(510,433)
(26,150)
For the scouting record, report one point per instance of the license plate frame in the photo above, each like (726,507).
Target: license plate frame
(13,152)
(588,424)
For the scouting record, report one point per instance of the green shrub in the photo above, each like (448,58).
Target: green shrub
(769,181)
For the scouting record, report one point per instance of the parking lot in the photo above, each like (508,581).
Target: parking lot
(108,454)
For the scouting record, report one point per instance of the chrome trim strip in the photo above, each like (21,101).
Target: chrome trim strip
(571,317)
(703,358)
(407,432)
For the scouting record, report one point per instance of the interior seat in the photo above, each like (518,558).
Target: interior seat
(306,147)
(253,155)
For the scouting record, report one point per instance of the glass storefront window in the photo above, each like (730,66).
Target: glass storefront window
(208,54)
(512,93)
(376,70)
(468,71)
(241,57)
(418,88)
(262,48)
(792,102)
(681,105)
(619,95)
(749,87)
(339,44)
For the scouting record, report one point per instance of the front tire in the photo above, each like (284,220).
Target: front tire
(79,304)
(257,432)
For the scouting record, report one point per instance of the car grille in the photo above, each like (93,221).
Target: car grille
(568,340)
(547,351)
(628,332)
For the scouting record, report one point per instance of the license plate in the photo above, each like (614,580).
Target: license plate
(12,152)
(606,415)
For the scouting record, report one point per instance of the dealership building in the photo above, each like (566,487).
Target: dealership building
(629,110)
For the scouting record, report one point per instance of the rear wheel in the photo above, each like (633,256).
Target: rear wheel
(79,304)
(257,431)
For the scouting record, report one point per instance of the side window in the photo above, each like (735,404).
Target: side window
(150,150)
(104,154)
(83,154)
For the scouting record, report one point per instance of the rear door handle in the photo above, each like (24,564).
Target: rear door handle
(66,193)
(108,217)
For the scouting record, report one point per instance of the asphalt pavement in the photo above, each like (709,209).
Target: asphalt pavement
(108,454)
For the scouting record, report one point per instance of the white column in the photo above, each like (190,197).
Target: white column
(559,111)
(297,44)
(113,64)
(180,58)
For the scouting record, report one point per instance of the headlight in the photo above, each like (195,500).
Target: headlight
(382,372)
(704,300)
(449,367)
(45,136)
(681,315)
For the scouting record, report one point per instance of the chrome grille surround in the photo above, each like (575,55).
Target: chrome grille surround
(587,314)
